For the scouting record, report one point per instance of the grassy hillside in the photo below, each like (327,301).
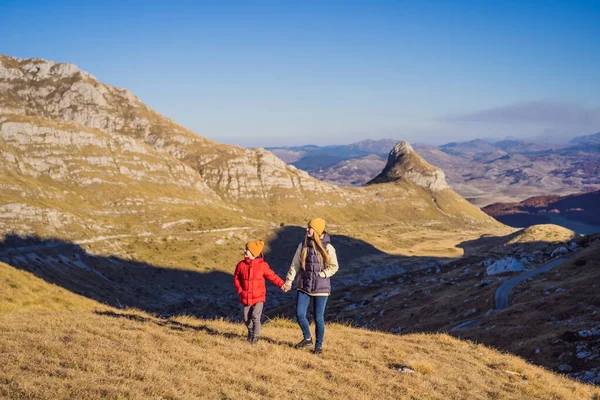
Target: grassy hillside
(22,292)
(557,305)
(57,345)
(127,354)
(62,178)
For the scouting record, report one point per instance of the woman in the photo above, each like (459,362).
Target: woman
(315,262)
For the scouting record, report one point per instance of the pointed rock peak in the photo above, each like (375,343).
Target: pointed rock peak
(404,163)
(401,149)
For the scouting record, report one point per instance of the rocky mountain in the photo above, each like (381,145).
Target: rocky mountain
(473,148)
(482,171)
(65,177)
(404,163)
(580,212)
(96,159)
(61,91)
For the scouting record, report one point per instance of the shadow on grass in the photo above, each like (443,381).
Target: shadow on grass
(182,327)
(119,282)
(166,291)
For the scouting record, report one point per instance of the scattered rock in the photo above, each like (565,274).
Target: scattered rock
(402,368)
(470,312)
(589,332)
(509,264)
(565,368)
(559,251)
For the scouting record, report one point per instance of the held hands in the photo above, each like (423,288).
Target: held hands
(286,287)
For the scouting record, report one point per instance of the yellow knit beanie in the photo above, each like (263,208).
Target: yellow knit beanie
(318,224)
(255,247)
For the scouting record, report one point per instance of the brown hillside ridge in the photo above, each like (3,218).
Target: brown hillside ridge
(546,233)
(62,178)
(128,353)
(95,159)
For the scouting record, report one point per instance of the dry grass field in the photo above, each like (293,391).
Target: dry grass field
(21,291)
(84,350)
(128,354)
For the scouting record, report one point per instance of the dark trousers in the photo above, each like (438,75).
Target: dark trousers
(251,316)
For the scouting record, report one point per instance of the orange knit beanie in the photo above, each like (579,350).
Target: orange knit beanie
(255,247)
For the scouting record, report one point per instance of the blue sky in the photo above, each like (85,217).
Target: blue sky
(265,73)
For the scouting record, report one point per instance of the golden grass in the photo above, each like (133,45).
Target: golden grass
(21,291)
(543,233)
(128,354)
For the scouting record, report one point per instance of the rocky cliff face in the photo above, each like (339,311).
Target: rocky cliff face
(61,176)
(62,91)
(404,163)
(61,128)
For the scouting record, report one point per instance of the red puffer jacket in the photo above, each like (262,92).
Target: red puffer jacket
(249,279)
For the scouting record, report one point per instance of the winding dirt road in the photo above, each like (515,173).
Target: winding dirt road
(503,292)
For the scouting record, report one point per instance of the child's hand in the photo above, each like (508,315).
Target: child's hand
(286,288)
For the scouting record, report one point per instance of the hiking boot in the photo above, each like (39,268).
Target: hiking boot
(249,337)
(304,343)
(318,350)
(254,340)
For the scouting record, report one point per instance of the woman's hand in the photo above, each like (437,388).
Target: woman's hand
(286,287)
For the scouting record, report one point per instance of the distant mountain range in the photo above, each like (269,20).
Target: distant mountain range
(484,172)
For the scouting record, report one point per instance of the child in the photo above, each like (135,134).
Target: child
(249,279)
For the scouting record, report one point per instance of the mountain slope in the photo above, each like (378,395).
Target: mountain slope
(23,292)
(117,354)
(352,172)
(63,177)
(251,183)
(61,91)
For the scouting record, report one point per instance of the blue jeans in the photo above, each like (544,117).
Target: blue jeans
(319,303)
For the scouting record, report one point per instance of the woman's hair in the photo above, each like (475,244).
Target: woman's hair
(322,254)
